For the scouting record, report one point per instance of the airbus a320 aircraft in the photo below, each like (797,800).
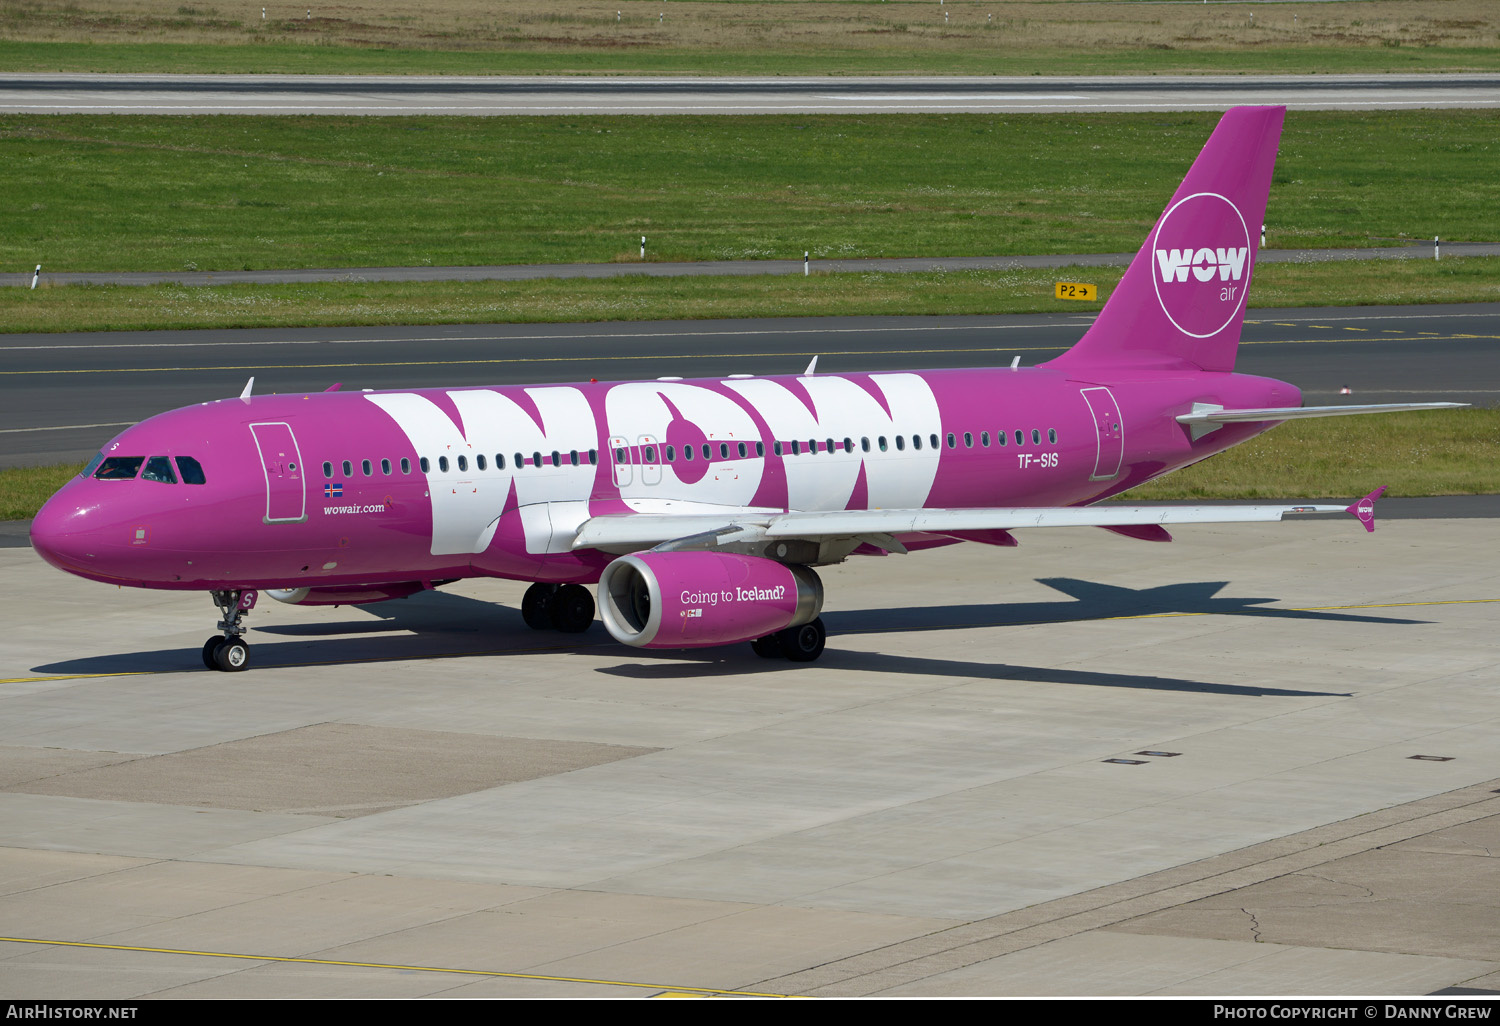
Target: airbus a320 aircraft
(701,507)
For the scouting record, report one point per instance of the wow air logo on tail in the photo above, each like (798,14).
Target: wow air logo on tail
(1202,263)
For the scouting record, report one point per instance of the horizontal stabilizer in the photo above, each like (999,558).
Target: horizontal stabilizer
(1204,413)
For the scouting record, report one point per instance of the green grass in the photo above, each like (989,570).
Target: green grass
(284,58)
(1453,452)
(561,300)
(24,489)
(1448,452)
(213,193)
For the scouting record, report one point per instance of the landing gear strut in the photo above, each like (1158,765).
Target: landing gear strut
(228,652)
(569,608)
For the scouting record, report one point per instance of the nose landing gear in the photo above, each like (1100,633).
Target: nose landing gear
(228,652)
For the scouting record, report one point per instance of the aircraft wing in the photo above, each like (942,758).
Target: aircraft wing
(646,530)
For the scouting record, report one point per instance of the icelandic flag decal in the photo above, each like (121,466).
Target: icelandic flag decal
(333,491)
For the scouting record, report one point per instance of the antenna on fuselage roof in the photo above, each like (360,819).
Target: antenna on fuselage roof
(812,366)
(248,386)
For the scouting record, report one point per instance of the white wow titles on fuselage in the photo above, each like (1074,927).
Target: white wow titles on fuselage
(651,427)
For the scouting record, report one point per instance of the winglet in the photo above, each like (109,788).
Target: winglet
(248,386)
(812,367)
(1364,509)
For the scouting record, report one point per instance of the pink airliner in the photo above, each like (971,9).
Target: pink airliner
(701,507)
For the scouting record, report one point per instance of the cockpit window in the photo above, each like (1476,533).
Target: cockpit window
(192,470)
(119,468)
(159,468)
(88,471)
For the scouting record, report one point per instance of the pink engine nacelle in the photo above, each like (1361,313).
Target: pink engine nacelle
(698,599)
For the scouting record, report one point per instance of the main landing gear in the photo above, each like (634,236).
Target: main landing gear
(800,644)
(228,652)
(568,608)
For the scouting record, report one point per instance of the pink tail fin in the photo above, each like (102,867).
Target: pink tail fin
(1182,300)
(1364,509)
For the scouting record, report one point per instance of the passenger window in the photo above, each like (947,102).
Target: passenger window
(1036,436)
(479,462)
(952,442)
(848,445)
(405,465)
(1052,436)
(463,464)
(443,464)
(916,441)
(536,459)
(796,447)
(968,439)
(933,440)
(687,453)
(743,451)
(520,461)
(1020,438)
(650,454)
(365,466)
(499,461)
(900,443)
(426,466)
(1002,438)
(593,457)
(882,443)
(760,448)
(864,444)
(119,468)
(327,471)
(573,456)
(723,450)
(984,439)
(556,458)
(192,470)
(348,469)
(159,468)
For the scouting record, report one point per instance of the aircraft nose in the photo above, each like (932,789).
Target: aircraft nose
(60,534)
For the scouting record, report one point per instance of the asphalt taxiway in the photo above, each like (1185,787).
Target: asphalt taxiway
(560,95)
(1259,760)
(63,395)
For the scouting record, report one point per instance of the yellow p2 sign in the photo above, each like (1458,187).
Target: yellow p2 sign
(1076,290)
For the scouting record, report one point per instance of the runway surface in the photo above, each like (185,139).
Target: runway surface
(62,396)
(542,95)
(1257,761)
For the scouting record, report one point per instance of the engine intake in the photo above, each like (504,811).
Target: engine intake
(699,599)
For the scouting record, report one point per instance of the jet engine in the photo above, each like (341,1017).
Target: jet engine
(699,599)
(350,595)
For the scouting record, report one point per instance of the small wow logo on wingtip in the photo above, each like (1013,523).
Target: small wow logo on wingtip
(1202,263)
